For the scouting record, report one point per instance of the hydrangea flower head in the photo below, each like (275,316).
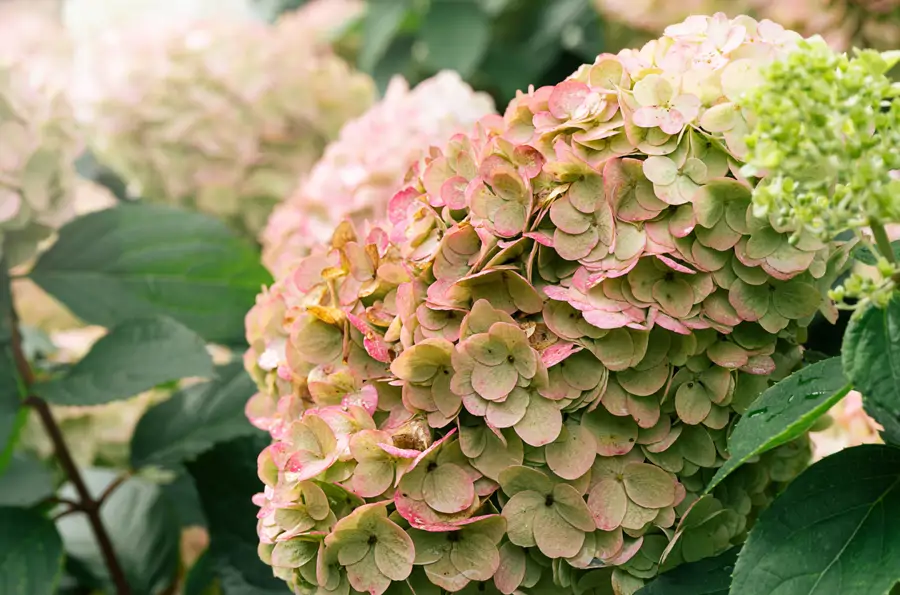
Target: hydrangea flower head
(222,115)
(360,171)
(530,365)
(39,144)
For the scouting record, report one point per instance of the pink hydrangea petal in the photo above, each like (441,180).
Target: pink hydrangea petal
(650,117)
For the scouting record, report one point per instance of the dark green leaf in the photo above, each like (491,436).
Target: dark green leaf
(140,260)
(557,18)
(382,23)
(783,412)
(863,254)
(142,526)
(529,42)
(12,414)
(398,59)
(835,529)
(26,481)
(201,578)
(711,576)
(456,34)
(184,499)
(31,553)
(194,419)
(231,516)
(134,357)
(871,355)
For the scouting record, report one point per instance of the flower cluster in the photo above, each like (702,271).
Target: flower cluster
(526,375)
(843,23)
(361,170)
(221,116)
(828,150)
(39,144)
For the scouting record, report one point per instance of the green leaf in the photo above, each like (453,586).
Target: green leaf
(835,529)
(26,481)
(201,578)
(138,260)
(711,576)
(12,414)
(181,493)
(31,553)
(141,525)
(863,254)
(871,353)
(134,357)
(456,34)
(783,412)
(195,419)
(382,23)
(397,59)
(231,516)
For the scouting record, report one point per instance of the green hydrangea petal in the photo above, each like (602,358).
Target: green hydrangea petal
(511,571)
(520,479)
(607,502)
(542,422)
(570,505)
(448,489)
(429,546)
(573,452)
(796,299)
(692,403)
(649,486)
(519,513)
(476,557)
(614,435)
(554,536)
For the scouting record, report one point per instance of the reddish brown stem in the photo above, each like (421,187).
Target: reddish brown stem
(86,503)
(112,488)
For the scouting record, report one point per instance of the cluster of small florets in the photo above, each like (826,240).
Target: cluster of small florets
(363,168)
(828,149)
(221,116)
(525,377)
(844,24)
(38,144)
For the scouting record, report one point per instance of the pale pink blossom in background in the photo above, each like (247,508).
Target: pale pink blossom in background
(851,426)
(363,168)
(842,23)
(219,115)
(327,18)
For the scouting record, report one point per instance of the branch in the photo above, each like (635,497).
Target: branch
(112,487)
(85,503)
